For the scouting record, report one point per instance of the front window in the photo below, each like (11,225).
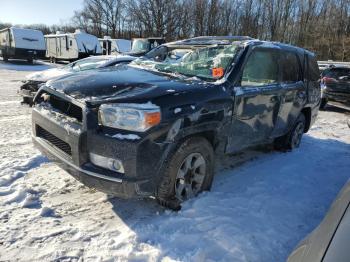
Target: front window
(140,45)
(208,63)
(260,69)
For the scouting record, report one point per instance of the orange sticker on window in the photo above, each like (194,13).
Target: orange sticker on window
(218,72)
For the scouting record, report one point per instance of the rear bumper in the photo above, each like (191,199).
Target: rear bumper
(345,106)
(338,99)
(22,53)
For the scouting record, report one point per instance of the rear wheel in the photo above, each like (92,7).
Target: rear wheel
(293,138)
(323,103)
(188,172)
(6,59)
(30,60)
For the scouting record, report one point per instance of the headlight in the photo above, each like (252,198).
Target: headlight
(133,117)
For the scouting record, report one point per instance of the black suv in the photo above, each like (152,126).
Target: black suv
(152,128)
(335,87)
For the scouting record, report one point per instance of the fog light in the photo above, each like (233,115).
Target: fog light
(106,162)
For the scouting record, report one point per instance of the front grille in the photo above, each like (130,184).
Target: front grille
(55,141)
(66,107)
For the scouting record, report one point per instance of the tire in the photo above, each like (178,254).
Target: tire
(293,138)
(187,172)
(30,60)
(5,58)
(323,103)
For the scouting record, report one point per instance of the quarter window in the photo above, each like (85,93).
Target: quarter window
(260,69)
(313,71)
(290,68)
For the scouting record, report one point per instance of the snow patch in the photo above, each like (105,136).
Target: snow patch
(47,212)
(28,38)
(70,124)
(127,136)
(177,110)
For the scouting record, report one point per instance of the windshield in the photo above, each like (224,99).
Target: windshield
(88,63)
(140,45)
(209,62)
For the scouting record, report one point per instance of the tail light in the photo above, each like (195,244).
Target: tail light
(328,80)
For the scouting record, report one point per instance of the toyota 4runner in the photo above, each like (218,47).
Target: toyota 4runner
(153,128)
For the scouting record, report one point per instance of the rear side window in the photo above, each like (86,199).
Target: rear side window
(290,67)
(337,72)
(260,69)
(313,71)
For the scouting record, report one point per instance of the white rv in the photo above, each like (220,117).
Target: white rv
(114,46)
(71,46)
(19,43)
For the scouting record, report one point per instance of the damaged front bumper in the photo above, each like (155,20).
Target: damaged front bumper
(28,91)
(70,145)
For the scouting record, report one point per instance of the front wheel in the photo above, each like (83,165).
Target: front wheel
(188,172)
(293,138)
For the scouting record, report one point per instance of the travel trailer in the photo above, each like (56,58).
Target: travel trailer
(141,46)
(114,46)
(19,43)
(71,46)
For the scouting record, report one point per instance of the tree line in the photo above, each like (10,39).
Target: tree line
(322,26)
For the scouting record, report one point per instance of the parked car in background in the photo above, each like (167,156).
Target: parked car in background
(33,81)
(141,46)
(71,46)
(152,130)
(329,242)
(335,86)
(114,46)
(19,43)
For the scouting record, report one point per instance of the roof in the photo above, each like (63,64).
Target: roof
(278,45)
(210,40)
(149,38)
(203,41)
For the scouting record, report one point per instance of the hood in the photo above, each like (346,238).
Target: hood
(46,75)
(123,82)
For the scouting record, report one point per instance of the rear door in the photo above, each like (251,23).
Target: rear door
(293,91)
(257,100)
(312,79)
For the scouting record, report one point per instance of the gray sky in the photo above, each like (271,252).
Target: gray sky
(38,11)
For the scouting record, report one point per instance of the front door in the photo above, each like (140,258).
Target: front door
(256,100)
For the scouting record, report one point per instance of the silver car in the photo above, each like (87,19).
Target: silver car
(330,241)
(33,81)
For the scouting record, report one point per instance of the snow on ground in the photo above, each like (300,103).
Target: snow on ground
(22,65)
(261,205)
